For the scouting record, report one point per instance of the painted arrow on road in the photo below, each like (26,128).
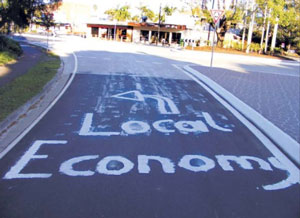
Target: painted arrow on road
(165,105)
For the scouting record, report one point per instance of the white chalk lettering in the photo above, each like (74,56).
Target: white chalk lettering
(243,162)
(86,128)
(161,126)
(201,163)
(113,162)
(292,172)
(67,166)
(118,165)
(143,163)
(212,123)
(162,102)
(167,126)
(191,126)
(30,154)
(135,127)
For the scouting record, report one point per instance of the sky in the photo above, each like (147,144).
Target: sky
(104,5)
(152,4)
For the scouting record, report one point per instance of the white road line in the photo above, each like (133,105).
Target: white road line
(14,142)
(289,145)
(216,91)
(286,143)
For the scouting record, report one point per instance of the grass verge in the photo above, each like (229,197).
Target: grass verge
(19,91)
(7,57)
(9,50)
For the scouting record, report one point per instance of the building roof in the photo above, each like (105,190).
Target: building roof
(162,25)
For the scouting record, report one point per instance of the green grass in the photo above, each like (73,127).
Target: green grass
(6,57)
(19,91)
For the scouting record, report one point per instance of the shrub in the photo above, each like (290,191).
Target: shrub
(6,57)
(237,46)
(278,50)
(255,47)
(7,44)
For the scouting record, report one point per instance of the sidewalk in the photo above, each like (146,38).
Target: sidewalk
(274,96)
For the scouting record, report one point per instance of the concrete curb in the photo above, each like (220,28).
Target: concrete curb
(282,140)
(13,126)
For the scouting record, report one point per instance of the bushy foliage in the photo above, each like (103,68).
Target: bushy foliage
(21,12)
(119,13)
(237,46)
(254,47)
(7,44)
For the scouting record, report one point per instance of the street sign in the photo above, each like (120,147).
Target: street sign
(216,15)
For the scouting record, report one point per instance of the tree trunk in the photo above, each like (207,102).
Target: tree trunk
(249,38)
(208,36)
(263,30)
(8,27)
(220,38)
(267,33)
(274,35)
(244,26)
(221,31)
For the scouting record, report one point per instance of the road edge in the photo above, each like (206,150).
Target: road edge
(282,140)
(16,114)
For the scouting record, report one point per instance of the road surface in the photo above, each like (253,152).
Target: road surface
(137,136)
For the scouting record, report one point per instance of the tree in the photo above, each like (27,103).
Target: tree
(230,18)
(167,11)
(199,9)
(119,13)
(20,12)
(289,26)
(250,31)
(277,14)
(284,16)
(195,6)
(136,18)
(145,11)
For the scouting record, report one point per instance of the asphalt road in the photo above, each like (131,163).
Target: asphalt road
(135,136)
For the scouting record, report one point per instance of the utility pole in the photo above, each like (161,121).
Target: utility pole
(159,18)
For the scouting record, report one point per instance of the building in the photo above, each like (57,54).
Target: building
(85,19)
(136,32)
